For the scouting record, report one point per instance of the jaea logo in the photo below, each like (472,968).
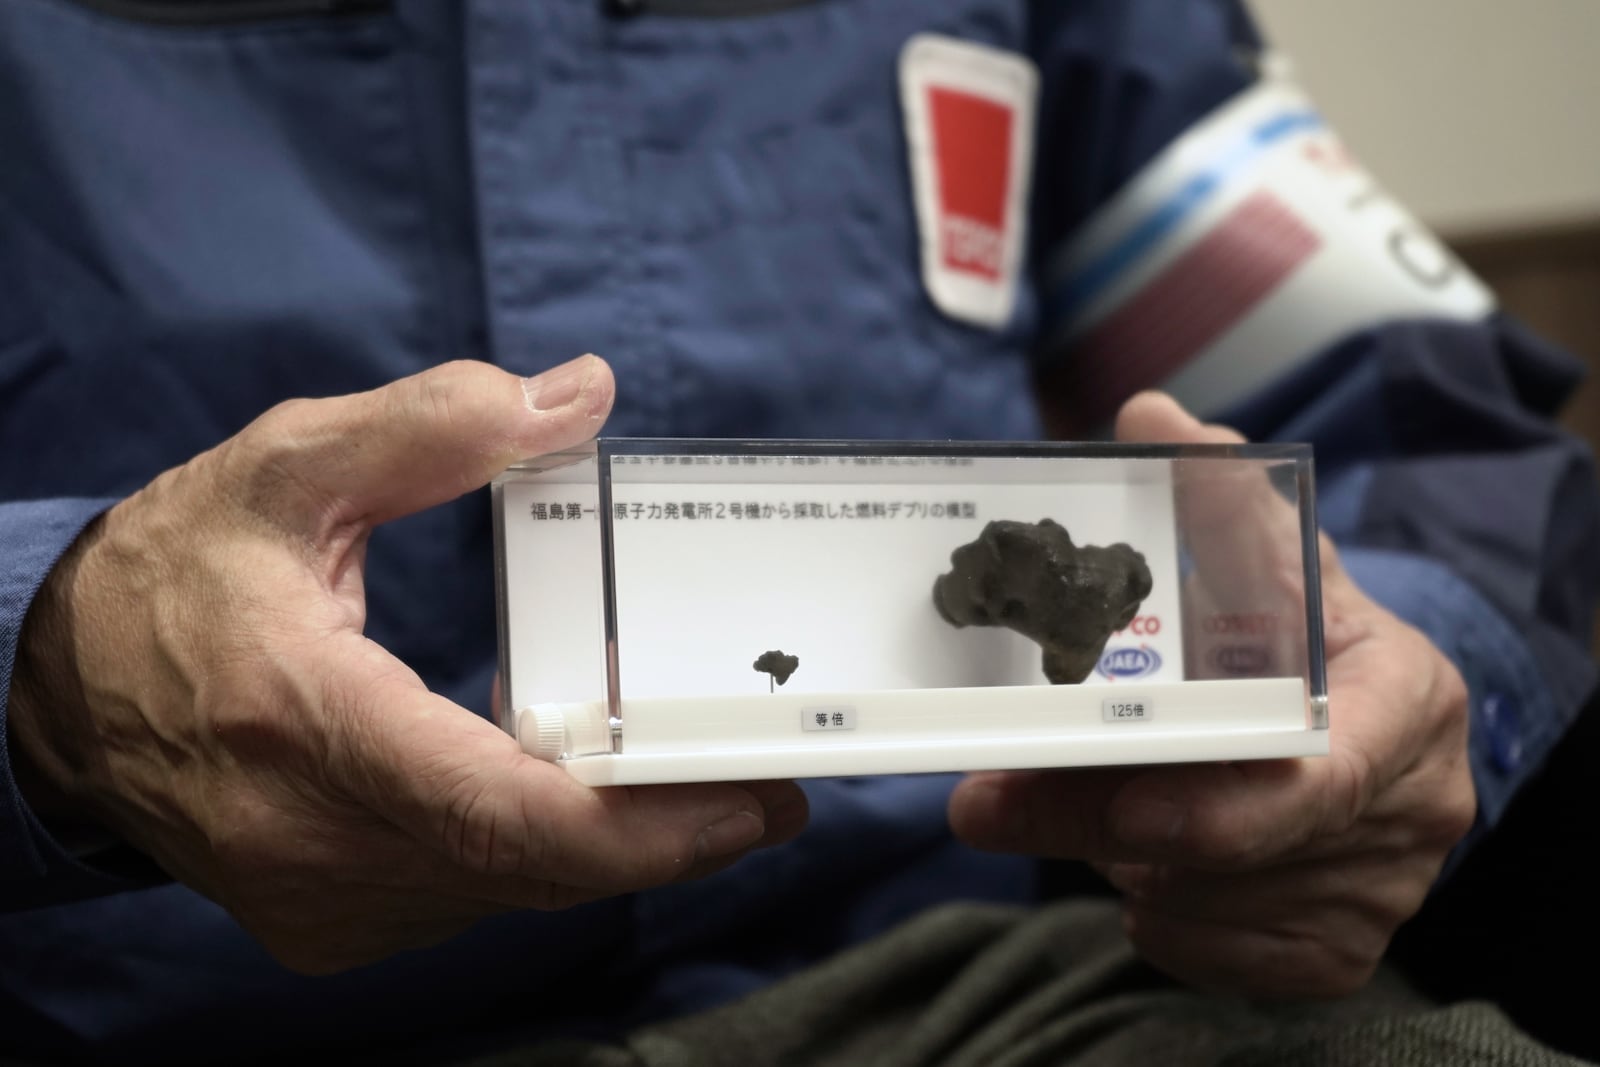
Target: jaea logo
(1129,662)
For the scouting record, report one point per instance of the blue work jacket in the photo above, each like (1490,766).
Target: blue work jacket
(209,207)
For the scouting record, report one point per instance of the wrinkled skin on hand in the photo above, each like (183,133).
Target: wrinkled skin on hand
(194,677)
(1282,878)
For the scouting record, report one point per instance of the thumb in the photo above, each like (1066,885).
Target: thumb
(1242,533)
(1156,418)
(423,440)
(1229,514)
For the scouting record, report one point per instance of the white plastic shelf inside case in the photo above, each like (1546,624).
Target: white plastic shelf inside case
(676,610)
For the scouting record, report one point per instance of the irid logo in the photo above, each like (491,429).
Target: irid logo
(1140,662)
(1241,659)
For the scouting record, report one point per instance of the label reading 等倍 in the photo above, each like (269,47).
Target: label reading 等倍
(1127,709)
(840,718)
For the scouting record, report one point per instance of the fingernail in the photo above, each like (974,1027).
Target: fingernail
(1150,823)
(991,816)
(1131,878)
(558,386)
(786,803)
(788,814)
(738,831)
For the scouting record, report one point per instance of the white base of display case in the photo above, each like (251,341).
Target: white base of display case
(779,735)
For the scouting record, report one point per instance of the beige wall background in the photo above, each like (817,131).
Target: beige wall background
(1480,115)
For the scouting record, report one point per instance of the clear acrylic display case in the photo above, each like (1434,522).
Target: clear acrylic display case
(649,591)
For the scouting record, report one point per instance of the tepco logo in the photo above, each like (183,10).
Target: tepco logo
(1129,663)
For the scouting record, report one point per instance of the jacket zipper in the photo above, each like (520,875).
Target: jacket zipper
(706,8)
(225,12)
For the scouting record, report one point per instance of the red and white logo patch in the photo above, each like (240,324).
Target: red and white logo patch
(969,130)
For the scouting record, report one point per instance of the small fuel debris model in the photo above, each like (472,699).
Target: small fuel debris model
(777,665)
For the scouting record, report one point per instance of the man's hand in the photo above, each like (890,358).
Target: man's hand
(194,677)
(1274,878)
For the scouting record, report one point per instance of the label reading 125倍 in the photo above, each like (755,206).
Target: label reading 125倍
(1127,709)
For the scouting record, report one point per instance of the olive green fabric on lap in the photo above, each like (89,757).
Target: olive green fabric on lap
(965,986)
